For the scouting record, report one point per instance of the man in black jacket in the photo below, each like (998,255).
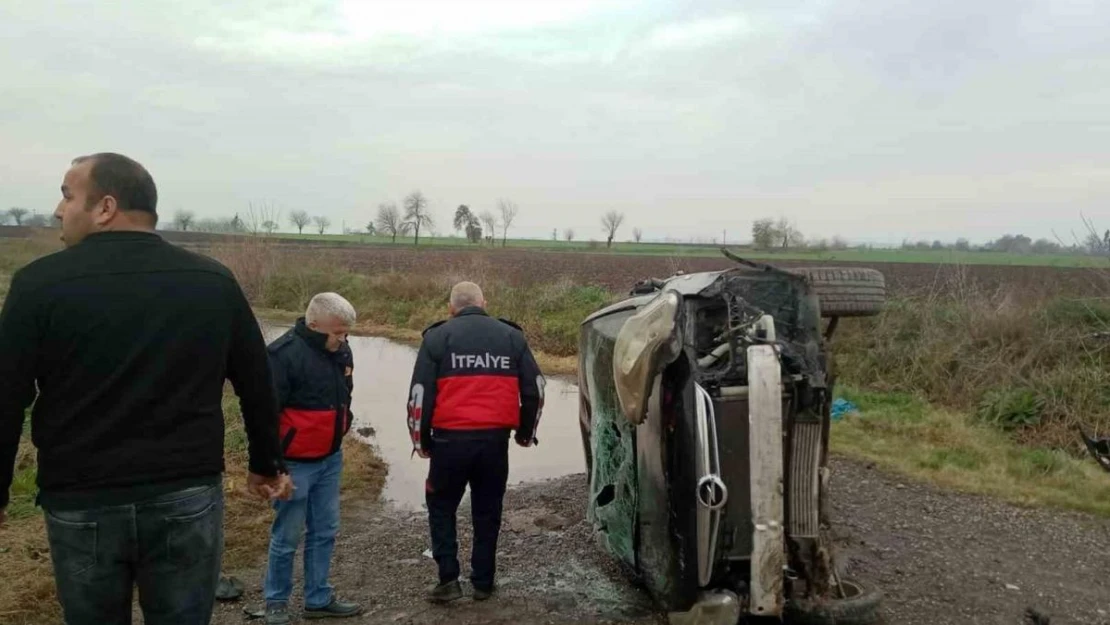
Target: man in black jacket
(475,381)
(314,377)
(129,340)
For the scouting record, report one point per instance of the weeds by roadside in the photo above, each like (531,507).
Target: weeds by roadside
(902,433)
(549,311)
(15,253)
(1036,371)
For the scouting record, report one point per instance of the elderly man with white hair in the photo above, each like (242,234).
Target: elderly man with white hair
(475,382)
(312,366)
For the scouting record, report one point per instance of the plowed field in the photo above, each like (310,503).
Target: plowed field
(619,272)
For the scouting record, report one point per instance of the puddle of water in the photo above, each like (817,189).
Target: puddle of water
(382,373)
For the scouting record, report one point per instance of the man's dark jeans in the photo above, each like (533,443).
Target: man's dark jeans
(482,462)
(169,546)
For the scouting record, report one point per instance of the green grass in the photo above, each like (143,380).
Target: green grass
(904,434)
(1034,370)
(713,251)
(550,313)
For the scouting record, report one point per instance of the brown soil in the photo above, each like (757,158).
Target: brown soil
(618,272)
(938,557)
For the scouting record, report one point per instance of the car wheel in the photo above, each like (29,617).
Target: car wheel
(860,606)
(846,291)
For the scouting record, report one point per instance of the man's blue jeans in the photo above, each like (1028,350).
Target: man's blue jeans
(313,511)
(169,547)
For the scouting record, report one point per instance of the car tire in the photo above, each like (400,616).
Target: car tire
(861,607)
(847,291)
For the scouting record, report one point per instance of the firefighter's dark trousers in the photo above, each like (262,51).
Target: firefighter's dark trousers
(480,459)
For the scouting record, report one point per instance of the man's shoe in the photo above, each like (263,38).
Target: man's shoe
(335,609)
(277,614)
(481,594)
(446,592)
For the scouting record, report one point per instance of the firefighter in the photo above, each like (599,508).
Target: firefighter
(475,384)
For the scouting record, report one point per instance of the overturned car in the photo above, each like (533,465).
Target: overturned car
(704,410)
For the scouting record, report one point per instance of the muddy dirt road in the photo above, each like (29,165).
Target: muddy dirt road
(939,557)
(943,557)
(548,570)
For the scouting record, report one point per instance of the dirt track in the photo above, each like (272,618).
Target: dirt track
(950,558)
(938,557)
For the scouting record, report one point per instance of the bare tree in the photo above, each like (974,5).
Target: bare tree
(258,213)
(1096,244)
(509,210)
(610,222)
(637,234)
(270,226)
(489,223)
(568,234)
(416,214)
(300,219)
(183,219)
(788,234)
(389,220)
(18,214)
(322,223)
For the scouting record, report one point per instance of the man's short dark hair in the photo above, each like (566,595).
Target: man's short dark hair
(122,178)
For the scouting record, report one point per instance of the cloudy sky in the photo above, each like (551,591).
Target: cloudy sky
(875,121)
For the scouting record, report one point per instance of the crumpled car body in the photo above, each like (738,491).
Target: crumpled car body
(704,411)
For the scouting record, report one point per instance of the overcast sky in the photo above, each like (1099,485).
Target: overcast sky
(875,121)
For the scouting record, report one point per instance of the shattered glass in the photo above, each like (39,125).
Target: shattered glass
(613,488)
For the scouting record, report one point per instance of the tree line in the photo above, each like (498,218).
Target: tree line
(18,216)
(770,234)
(409,218)
(414,217)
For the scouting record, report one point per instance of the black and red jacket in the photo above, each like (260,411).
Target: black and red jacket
(474,373)
(313,388)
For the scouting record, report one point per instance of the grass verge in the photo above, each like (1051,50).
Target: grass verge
(25,553)
(1034,370)
(905,435)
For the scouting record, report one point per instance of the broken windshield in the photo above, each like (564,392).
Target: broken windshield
(612,506)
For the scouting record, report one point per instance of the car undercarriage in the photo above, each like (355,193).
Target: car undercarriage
(705,410)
